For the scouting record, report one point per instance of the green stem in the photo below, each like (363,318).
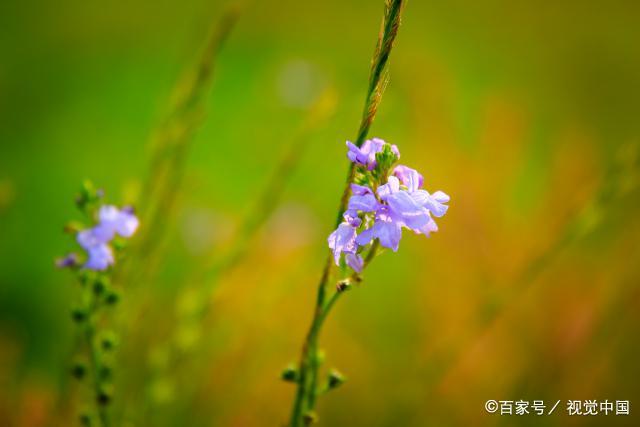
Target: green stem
(94,359)
(309,350)
(306,393)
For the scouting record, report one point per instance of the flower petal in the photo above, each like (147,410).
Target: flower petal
(392,186)
(406,209)
(365,237)
(409,177)
(433,202)
(441,197)
(360,190)
(343,239)
(366,203)
(388,232)
(127,223)
(355,261)
(100,257)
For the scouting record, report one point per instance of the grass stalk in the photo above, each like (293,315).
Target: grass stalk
(307,391)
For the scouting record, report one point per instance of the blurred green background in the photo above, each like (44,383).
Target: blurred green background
(526,113)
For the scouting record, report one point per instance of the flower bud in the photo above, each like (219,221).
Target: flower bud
(386,158)
(79,370)
(309,417)
(68,261)
(343,285)
(112,297)
(78,315)
(289,374)
(85,420)
(73,227)
(106,373)
(335,379)
(103,397)
(108,341)
(100,286)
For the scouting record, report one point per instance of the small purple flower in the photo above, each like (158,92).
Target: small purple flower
(352,218)
(113,220)
(402,207)
(355,261)
(95,241)
(68,261)
(343,239)
(398,203)
(360,190)
(100,257)
(365,203)
(385,228)
(89,238)
(435,202)
(408,177)
(366,154)
(411,208)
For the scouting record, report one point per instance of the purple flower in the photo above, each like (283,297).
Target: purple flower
(89,238)
(352,218)
(100,254)
(366,154)
(435,202)
(95,241)
(113,220)
(385,228)
(68,261)
(411,208)
(355,261)
(364,203)
(343,239)
(408,177)
(398,203)
(402,207)
(100,257)
(360,190)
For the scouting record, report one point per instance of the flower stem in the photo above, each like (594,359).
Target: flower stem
(306,393)
(95,363)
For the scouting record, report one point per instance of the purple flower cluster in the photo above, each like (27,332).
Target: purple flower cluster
(388,203)
(111,222)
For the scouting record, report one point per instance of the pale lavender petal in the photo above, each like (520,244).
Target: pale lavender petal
(394,150)
(351,216)
(388,232)
(365,237)
(87,239)
(100,258)
(108,213)
(392,186)
(429,228)
(360,190)
(104,232)
(440,197)
(409,177)
(437,209)
(127,223)
(370,147)
(355,261)
(375,144)
(343,239)
(421,197)
(405,208)
(366,203)
(356,155)
(433,202)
